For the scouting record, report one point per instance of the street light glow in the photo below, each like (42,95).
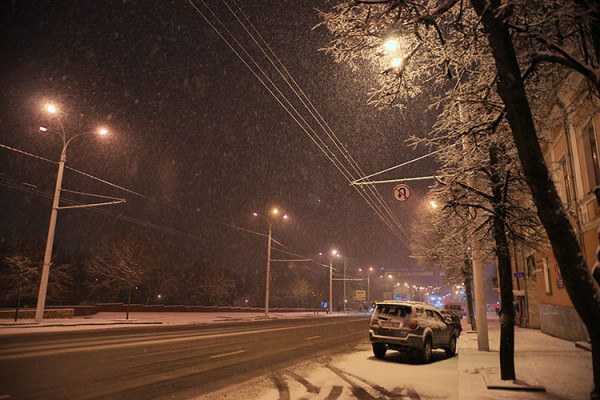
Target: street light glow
(275,211)
(433,204)
(396,62)
(102,131)
(51,108)
(391,44)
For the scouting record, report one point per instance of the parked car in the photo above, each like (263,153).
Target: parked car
(410,326)
(455,321)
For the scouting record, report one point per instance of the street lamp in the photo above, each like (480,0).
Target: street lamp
(368,283)
(392,49)
(273,214)
(334,253)
(41,302)
(387,288)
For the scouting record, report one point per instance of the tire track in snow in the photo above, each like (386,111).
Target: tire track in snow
(362,394)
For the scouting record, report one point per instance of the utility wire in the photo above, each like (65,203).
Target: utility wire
(296,88)
(328,153)
(305,126)
(32,190)
(82,173)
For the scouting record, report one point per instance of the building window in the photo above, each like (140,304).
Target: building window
(590,154)
(530,265)
(546,269)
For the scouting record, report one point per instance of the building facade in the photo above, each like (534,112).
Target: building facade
(571,150)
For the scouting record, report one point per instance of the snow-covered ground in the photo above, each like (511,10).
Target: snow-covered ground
(558,366)
(542,362)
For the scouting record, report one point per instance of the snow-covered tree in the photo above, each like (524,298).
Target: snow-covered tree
(439,241)
(201,283)
(23,274)
(120,265)
(20,278)
(487,50)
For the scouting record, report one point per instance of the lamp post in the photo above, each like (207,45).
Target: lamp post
(344,285)
(334,253)
(368,283)
(41,301)
(270,220)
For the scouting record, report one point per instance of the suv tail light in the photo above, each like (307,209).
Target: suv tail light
(413,325)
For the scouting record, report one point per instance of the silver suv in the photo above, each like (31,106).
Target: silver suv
(413,326)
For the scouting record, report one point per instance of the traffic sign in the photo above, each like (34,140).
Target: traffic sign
(401,193)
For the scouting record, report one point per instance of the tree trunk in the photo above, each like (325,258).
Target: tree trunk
(468,278)
(576,275)
(128,303)
(18,301)
(507,320)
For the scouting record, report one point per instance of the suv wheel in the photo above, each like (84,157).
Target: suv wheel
(379,350)
(451,349)
(426,351)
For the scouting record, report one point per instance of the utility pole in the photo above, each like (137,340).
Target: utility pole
(344,284)
(478,280)
(480,306)
(268,282)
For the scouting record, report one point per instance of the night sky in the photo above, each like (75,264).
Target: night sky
(194,131)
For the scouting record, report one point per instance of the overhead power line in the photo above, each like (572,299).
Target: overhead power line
(82,173)
(335,151)
(32,190)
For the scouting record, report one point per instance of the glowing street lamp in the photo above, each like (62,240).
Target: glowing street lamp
(334,253)
(273,214)
(51,108)
(41,301)
(391,44)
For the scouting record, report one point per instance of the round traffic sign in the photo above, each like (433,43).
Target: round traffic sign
(401,193)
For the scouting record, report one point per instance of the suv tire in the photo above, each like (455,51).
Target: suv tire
(451,349)
(379,350)
(425,351)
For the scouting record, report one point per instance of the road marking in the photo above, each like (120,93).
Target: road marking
(228,354)
(312,338)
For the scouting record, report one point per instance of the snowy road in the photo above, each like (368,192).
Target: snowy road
(163,362)
(356,374)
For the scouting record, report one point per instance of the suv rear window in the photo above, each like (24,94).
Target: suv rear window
(394,310)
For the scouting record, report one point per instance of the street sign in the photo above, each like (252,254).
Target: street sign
(401,192)
(360,295)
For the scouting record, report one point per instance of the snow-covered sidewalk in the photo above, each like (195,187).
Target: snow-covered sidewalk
(558,366)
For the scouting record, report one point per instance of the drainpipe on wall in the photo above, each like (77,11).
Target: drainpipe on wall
(596,269)
(569,160)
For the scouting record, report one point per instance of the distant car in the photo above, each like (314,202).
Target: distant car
(455,321)
(455,308)
(410,326)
